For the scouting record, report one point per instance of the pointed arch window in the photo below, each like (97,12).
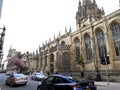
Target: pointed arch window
(101,43)
(62,43)
(88,47)
(116,37)
(77,49)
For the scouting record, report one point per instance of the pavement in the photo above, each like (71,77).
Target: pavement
(107,85)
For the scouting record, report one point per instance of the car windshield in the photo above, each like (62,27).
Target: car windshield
(19,75)
(71,79)
(38,74)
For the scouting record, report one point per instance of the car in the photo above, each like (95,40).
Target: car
(16,79)
(8,73)
(61,82)
(38,76)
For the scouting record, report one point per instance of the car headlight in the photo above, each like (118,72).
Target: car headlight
(90,83)
(39,83)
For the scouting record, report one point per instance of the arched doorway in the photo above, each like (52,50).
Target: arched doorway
(66,62)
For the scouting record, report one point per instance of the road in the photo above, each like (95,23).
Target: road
(32,85)
(105,86)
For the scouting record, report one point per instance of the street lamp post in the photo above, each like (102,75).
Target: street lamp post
(1,43)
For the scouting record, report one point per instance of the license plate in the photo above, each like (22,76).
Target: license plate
(22,79)
(88,89)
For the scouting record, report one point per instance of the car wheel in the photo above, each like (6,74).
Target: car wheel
(38,88)
(24,84)
(11,84)
(6,83)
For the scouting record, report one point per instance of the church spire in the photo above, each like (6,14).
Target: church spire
(88,8)
(86,2)
(79,3)
(10,47)
(94,1)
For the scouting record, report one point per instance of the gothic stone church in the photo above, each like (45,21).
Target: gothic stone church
(95,41)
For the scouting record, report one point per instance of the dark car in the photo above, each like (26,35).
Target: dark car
(60,82)
(15,79)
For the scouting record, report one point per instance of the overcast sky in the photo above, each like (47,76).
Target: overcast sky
(30,23)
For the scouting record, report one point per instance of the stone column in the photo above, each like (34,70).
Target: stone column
(48,59)
(106,35)
(56,56)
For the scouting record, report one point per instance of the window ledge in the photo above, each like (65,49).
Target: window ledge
(117,58)
(87,62)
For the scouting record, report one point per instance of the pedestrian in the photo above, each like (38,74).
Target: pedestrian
(48,73)
(98,77)
(82,74)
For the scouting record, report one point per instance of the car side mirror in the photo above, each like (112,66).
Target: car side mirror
(43,82)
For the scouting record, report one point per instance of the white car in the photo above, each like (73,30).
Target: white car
(38,76)
(15,79)
(8,73)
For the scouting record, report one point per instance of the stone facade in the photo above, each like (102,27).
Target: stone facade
(97,36)
(83,48)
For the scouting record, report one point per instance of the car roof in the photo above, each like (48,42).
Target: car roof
(66,76)
(60,75)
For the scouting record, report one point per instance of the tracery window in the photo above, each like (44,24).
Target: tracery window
(101,43)
(116,37)
(62,43)
(77,49)
(88,47)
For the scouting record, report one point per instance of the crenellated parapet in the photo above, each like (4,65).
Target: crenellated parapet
(53,49)
(64,47)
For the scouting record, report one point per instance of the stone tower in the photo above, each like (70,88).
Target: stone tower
(86,9)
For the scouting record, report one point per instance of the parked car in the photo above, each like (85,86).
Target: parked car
(38,76)
(60,82)
(15,79)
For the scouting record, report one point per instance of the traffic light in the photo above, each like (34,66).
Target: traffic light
(108,60)
(103,60)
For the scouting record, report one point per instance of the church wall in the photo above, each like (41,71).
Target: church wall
(67,40)
(105,25)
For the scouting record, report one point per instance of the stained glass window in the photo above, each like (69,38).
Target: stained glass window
(101,43)
(116,37)
(77,49)
(88,47)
